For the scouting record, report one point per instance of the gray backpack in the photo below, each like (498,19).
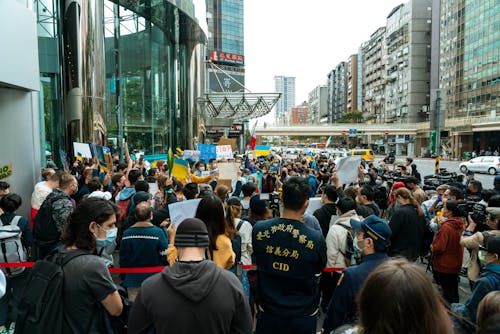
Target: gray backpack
(11,247)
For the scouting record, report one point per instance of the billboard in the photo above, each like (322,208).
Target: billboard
(222,57)
(228,84)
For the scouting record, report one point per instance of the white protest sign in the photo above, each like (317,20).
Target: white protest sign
(182,210)
(314,204)
(82,149)
(228,171)
(347,169)
(290,156)
(224,152)
(190,154)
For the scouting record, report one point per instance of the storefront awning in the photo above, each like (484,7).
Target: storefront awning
(238,106)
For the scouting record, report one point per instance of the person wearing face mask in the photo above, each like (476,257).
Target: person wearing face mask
(447,253)
(371,241)
(489,277)
(87,281)
(143,245)
(473,241)
(199,168)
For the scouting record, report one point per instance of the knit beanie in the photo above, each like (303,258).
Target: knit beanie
(192,232)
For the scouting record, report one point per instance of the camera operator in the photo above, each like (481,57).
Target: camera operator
(472,240)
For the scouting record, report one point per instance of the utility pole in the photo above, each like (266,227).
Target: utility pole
(438,122)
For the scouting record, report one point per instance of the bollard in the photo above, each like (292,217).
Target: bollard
(436,168)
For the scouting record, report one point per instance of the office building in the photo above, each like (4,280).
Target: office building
(225,45)
(374,58)
(96,71)
(285,86)
(408,43)
(337,92)
(352,83)
(318,111)
(299,115)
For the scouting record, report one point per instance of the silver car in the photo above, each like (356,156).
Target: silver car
(490,165)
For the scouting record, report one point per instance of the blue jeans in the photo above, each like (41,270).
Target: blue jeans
(13,293)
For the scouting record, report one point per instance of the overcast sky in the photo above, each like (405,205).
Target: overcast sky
(305,38)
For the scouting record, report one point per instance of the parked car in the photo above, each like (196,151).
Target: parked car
(366,154)
(483,164)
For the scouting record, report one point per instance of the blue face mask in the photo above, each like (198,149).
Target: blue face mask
(355,245)
(378,182)
(110,238)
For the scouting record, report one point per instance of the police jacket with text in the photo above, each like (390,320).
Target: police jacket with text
(290,257)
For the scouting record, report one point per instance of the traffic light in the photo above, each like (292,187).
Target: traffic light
(433,142)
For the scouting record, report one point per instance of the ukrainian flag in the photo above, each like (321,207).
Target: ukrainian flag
(262,151)
(180,169)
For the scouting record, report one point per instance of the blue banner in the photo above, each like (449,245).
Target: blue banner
(207,152)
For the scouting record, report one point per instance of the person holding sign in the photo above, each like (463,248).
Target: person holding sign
(289,257)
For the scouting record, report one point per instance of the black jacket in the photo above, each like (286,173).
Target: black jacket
(324,215)
(407,232)
(194,297)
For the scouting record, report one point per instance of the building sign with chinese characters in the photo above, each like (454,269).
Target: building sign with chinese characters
(226,58)
(222,82)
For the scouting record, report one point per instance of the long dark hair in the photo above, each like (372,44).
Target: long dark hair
(398,297)
(88,210)
(211,212)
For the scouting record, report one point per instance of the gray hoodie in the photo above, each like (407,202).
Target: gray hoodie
(194,297)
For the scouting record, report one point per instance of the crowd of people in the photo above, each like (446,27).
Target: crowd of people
(243,265)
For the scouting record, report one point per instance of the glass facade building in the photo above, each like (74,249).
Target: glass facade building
(232,26)
(121,69)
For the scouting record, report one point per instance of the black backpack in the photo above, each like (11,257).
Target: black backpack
(349,252)
(45,229)
(41,308)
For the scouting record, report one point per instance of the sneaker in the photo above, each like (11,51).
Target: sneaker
(12,328)
(4,330)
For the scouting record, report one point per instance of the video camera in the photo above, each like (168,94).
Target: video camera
(477,212)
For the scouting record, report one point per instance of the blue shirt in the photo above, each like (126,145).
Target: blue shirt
(342,308)
(290,257)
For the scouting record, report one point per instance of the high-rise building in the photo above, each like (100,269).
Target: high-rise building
(337,92)
(225,45)
(318,111)
(469,74)
(285,86)
(408,42)
(352,83)
(374,58)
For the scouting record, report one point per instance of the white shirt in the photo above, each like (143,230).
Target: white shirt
(39,194)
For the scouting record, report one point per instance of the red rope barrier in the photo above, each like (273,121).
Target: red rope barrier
(142,270)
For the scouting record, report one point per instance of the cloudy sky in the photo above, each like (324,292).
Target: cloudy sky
(305,38)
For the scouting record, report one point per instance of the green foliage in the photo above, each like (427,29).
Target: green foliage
(351,117)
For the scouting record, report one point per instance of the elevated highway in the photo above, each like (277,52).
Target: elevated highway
(343,129)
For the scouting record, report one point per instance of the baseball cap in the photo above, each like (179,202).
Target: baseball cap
(491,244)
(191,232)
(375,227)
(258,205)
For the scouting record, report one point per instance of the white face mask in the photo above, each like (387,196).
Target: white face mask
(202,168)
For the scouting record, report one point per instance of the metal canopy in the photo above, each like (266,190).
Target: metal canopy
(238,106)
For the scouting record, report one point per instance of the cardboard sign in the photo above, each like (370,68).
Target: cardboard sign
(182,210)
(82,150)
(207,152)
(191,155)
(314,204)
(348,168)
(5,171)
(228,141)
(224,152)
(228,171)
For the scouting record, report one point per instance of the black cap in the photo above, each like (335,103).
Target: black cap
(141,196)
(257,205)
(192,232)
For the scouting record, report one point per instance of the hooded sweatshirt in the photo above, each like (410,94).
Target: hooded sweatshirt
(447,253)
(191,297)
(126,193)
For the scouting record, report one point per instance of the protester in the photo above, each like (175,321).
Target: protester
(42,190)
(328,209)
(407,225)
(193,295)
(488,312)
(16,278)
(366,205)
(87,281)
(372,239)
(289,258)
(398,297)
(447,253)
(142,245)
